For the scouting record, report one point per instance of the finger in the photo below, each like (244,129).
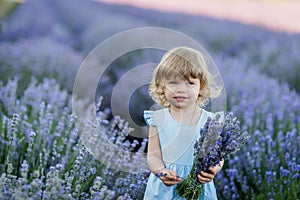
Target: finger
(203,179)
(172,173)
(171,178)
(170,183)
(213,170)
(207,175)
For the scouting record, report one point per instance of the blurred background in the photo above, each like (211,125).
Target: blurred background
(255,45)
(274,14)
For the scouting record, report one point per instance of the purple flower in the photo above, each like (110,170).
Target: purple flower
(218,140)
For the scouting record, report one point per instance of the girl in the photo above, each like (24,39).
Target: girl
(181,83)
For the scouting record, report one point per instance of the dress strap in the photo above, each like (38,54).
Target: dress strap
(149,117)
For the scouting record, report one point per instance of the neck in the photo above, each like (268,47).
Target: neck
(187,116)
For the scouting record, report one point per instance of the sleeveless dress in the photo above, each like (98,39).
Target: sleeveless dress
(177,146)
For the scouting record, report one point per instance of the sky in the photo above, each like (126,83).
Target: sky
(279,15)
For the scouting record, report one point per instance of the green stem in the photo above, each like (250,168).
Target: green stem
(190,188)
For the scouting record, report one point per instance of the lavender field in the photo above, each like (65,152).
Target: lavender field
(42,44)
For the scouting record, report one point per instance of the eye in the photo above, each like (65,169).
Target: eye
(172,82)
(191,83)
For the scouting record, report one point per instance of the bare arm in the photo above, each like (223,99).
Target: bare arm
(154,159)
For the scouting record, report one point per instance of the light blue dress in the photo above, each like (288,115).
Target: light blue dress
(177,145)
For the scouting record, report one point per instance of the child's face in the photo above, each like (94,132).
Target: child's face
(182,93)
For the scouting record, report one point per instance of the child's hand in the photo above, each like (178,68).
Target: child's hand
(205,177)
(170,177)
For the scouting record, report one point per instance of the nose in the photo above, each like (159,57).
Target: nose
(180,88)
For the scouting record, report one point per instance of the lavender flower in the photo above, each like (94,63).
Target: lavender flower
(53,45)
(218,140)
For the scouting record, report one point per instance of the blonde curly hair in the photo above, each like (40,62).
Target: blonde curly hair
(183,62)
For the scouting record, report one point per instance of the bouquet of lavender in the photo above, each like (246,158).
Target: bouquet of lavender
(219,138)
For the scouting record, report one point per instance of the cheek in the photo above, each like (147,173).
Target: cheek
(196,93)
(169,90)
(167,93)
(195,90)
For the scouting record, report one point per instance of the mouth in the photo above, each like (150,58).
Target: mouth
(180,98)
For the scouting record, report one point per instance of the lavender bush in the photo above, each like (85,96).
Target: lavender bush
(41,154)
(83,17)
(39,57)
(22,24)
(269,165)
(270,58)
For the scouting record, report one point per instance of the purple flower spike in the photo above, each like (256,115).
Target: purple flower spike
(218,140)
